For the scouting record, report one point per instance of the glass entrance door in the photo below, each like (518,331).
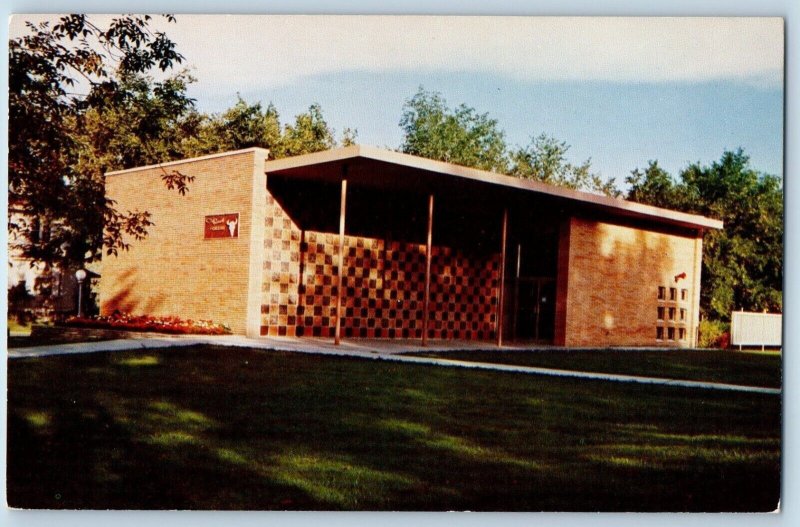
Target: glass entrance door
(535,309)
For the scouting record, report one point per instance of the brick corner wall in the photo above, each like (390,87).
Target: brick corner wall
(609,294)
(175,270)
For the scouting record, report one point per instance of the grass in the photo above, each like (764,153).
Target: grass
(29,341)
(15,326)
(217,428)
(733,367)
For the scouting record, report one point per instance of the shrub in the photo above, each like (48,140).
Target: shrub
(173,325)
(714,334)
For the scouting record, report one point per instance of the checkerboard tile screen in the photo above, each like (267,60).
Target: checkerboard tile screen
(383,285)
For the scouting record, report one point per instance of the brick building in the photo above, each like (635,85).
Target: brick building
(422,249)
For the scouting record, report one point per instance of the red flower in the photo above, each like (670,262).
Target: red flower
(167,324)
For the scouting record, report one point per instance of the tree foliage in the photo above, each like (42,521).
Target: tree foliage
(143,127)
(241,126)
(654,186)
(64,80)
(545,160)
(743,263)
(459,135)
(309,133)
(82,102)
(245,125)
(463,136)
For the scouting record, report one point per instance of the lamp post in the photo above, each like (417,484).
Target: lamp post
(80,275)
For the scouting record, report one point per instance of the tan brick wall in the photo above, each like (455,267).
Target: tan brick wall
(609,277)
(175,271)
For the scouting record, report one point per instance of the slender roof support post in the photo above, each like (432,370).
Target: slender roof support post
(340,282)
(515,315)
(502,278)
(428,256)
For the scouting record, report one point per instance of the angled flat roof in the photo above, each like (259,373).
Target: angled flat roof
(188,160)
(321,165)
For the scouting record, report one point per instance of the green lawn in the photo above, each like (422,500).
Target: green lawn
(15,326)
(29,341)
(222,428)
(734,367)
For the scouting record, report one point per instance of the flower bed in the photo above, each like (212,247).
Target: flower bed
(172,325)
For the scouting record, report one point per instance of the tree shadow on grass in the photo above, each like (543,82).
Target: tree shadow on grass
(215,428)
(104,451)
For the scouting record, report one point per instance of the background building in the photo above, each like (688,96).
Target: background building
(38,291)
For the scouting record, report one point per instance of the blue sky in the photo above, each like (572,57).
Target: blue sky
(620,91)
(619,125)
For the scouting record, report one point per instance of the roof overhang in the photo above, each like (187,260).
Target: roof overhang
(398,170)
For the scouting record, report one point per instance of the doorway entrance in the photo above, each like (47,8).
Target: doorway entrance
(534,313)
(533,291)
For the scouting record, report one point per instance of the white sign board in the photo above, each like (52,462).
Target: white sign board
(756,329)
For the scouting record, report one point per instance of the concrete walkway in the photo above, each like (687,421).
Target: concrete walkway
(395,351)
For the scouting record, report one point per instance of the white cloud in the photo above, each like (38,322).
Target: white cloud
(247,50)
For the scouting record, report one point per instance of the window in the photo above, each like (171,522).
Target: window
(673,293)
(672,313)
(670,333)
(659,333)
(682,333)
(684,294)
(662,293)
(683,314)
(660,313)
(35,231)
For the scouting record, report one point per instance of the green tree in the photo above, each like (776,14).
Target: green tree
(143,127)
(61,79)
(309,133)
(545,160)
(654,186)
(742,263)
(245,125)
(456,135)
(349,137)
(463,136)
(241,126)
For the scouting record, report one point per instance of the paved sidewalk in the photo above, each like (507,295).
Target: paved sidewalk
(376,350)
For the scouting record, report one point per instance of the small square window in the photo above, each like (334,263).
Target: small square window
(659,333)
(660,313)
(681,333)
(662,293)
(673,293)
(672,313)
(670,333)
(683,314)
(684,294)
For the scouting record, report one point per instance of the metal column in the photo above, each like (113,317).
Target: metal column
(502,278)
(515,319)
(428,256)
(340,284)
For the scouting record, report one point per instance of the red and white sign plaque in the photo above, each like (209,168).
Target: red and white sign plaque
(222,226)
